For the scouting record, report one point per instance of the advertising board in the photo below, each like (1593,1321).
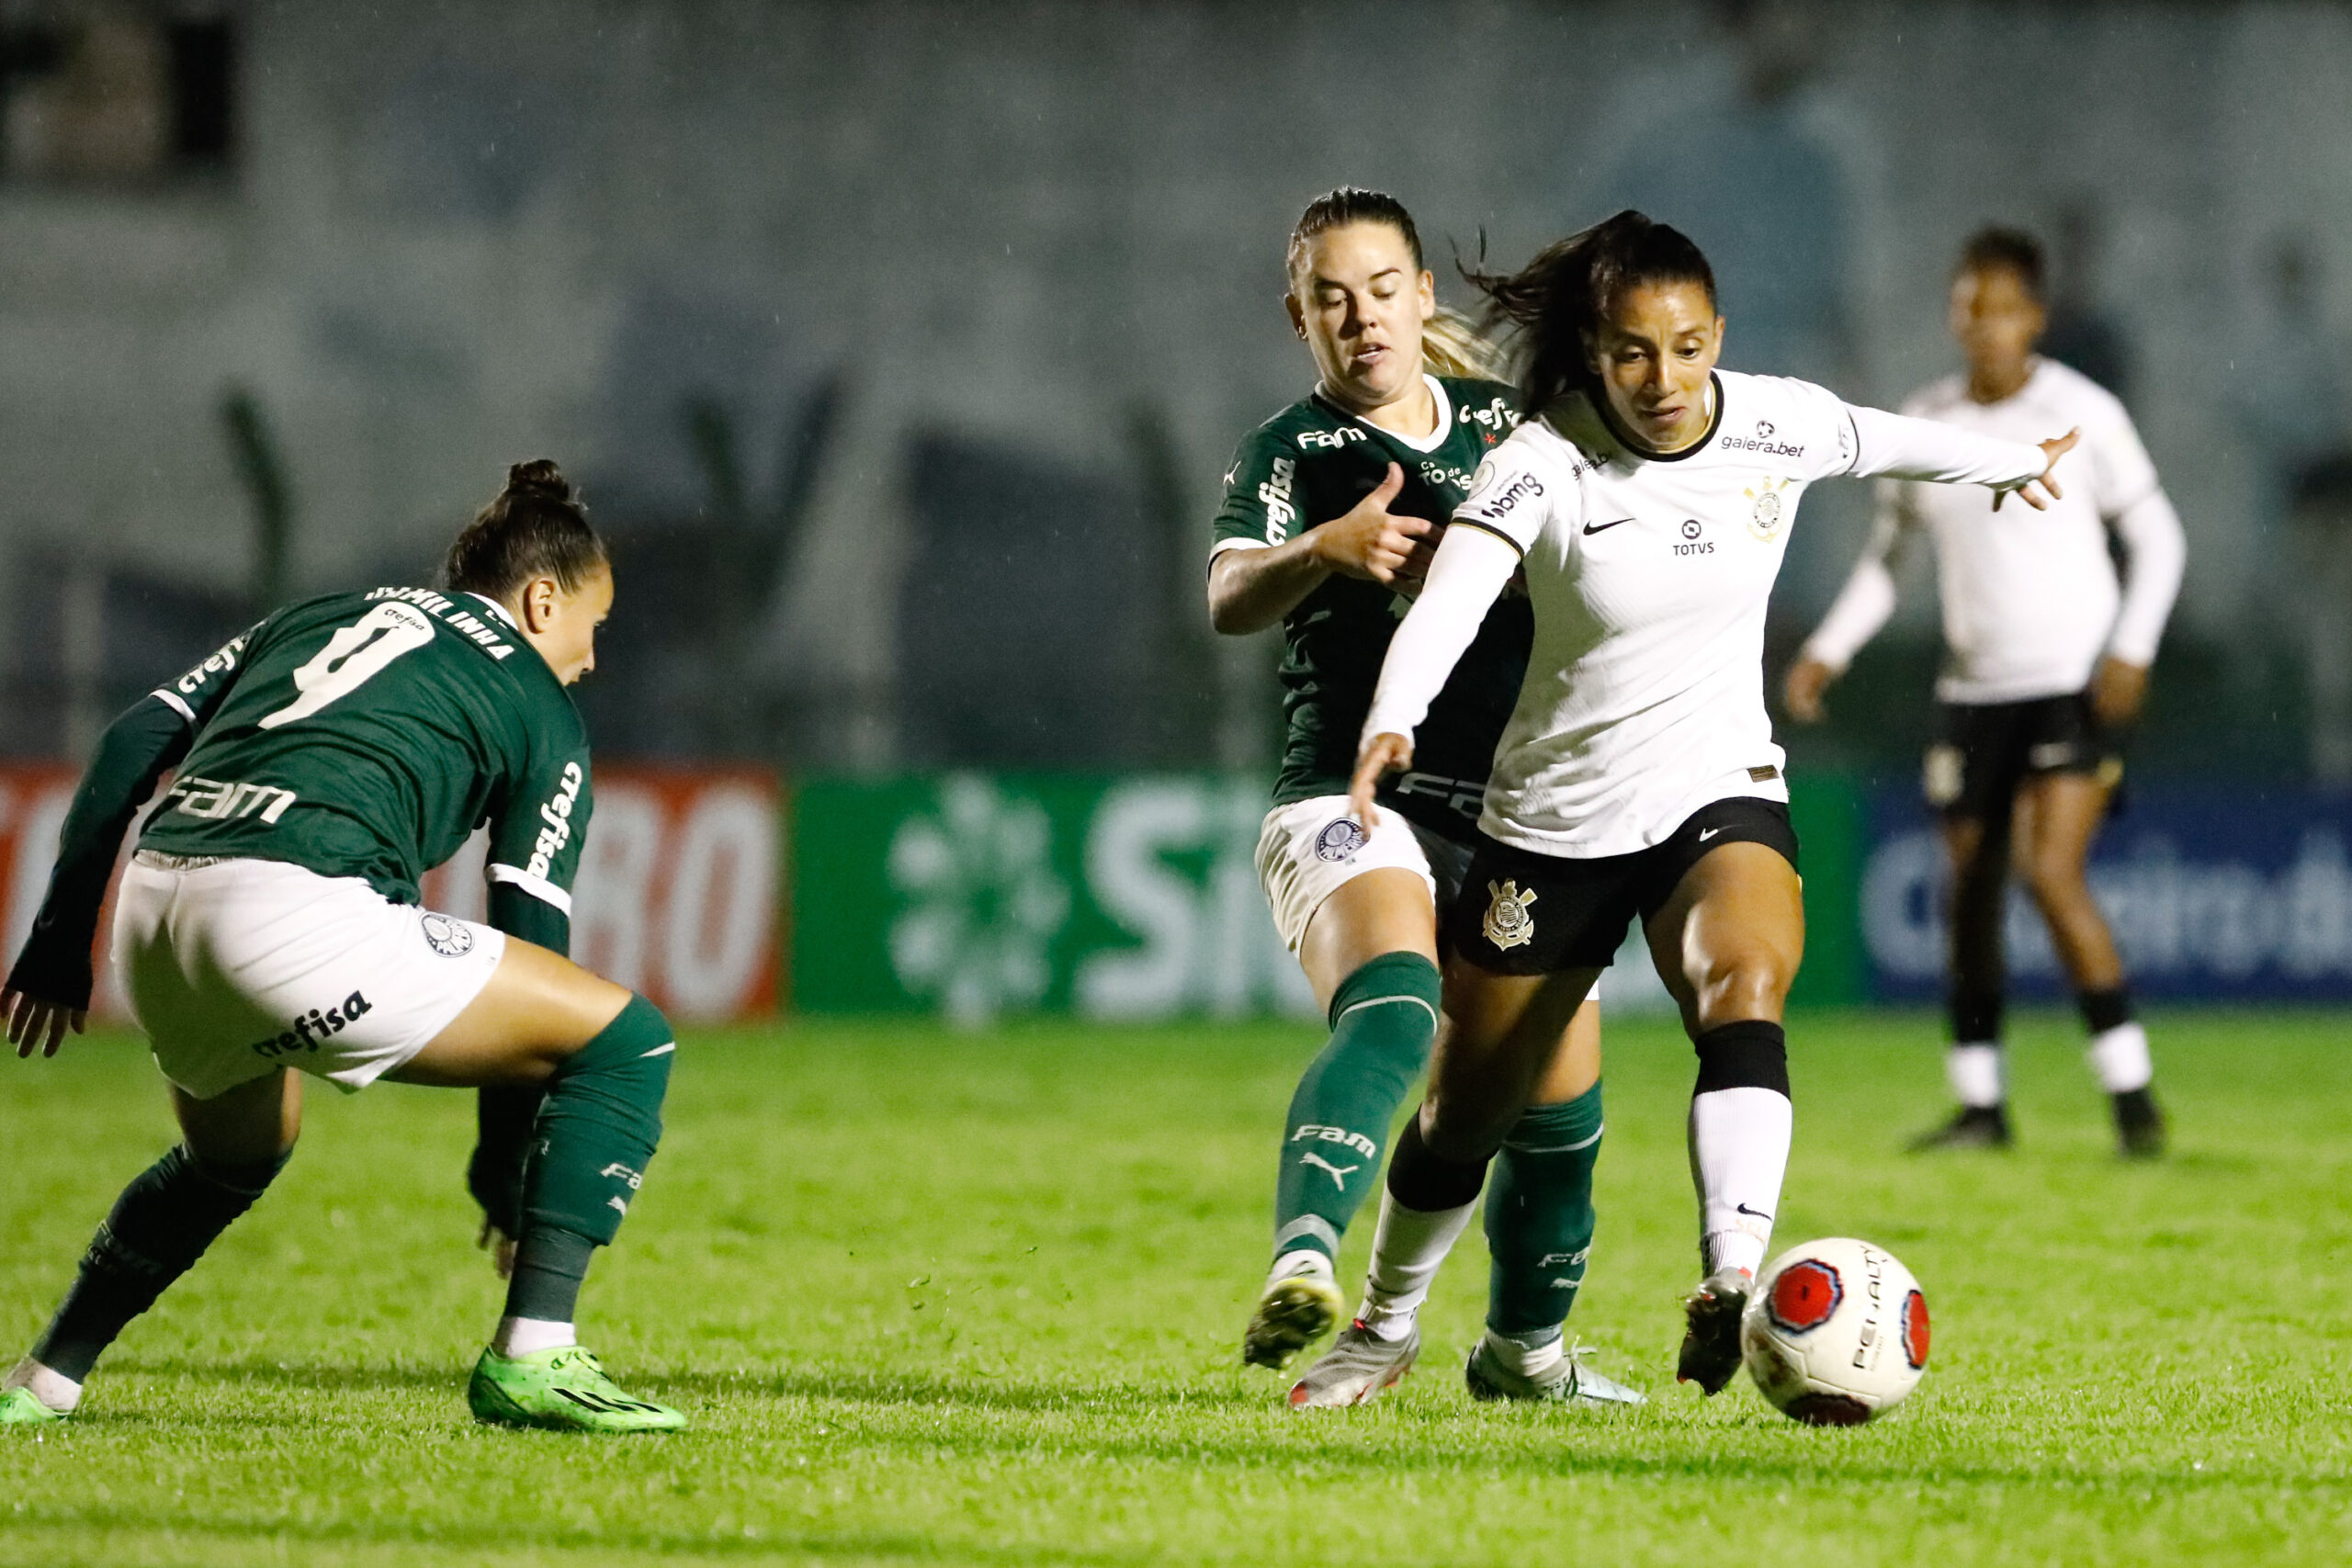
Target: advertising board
(2214,894)
(678,894)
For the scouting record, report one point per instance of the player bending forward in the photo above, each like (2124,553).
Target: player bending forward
(2046,660)
(1649,507)
(1330,515)
(269,921)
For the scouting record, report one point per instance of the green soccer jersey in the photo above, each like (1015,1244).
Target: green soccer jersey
(367,734)
(1311,463)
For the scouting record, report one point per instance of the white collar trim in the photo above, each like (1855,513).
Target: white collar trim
(495,608)
(1438,433)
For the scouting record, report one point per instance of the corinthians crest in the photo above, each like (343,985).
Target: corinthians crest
(1771,509)
(1509,924)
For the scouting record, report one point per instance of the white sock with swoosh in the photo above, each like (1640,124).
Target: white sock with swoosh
(1739,1151)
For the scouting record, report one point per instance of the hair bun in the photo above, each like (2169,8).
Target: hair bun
(538,478)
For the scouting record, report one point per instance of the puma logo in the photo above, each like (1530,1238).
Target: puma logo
(1340,1174)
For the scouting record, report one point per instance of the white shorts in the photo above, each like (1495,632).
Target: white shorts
(234,967)
(1309,849)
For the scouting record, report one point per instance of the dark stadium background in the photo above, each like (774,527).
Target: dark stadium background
(900,348)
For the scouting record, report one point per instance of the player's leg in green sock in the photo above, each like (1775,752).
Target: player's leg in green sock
(593,1137)
(158,1228)
(1539,1227)
(1384,1020)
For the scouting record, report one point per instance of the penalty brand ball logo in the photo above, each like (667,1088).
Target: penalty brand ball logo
(1805,1295)
(1340,840)
(1509,924)
(1915,1329)
(447,937)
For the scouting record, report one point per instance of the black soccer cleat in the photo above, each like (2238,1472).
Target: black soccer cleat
(1971,1127)
(2139,1125)
(1710,1335)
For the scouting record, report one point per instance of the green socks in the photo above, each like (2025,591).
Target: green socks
(1384,1020)
(160,1226)
(1539,1217)
(593,1137)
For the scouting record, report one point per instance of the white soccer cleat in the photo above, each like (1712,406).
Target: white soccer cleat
(1357,1369)
(1561,1383)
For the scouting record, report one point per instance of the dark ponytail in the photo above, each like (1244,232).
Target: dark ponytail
(534,527)
(1555,304)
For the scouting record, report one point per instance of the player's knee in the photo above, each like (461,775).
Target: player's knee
(252,1176)
(638,1034)
(2055,879)
(1750,982)
(1462,1128)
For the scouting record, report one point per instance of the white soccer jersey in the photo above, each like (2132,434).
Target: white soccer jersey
(2030,599)
(1645,692)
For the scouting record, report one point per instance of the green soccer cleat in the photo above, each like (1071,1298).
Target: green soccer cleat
(563,1391)
(21,1408)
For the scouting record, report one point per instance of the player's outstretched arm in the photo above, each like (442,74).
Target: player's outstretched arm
(1472,568)
(1250,590)
(1900,446)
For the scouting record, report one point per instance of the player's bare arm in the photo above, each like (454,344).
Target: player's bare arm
(1251,590)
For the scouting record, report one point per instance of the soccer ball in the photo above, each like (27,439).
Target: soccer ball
(1835,1332)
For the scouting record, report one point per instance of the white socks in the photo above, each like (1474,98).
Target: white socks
(1406,1252)
(1527,1360)
(522,1336)
(54,1388)
(1973,1068)
(1739,1151)
(2120,1057)
(1303,1263)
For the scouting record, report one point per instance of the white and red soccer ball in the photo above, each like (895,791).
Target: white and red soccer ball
(1835,1332)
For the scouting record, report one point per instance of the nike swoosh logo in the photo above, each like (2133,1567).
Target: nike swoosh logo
(1746,1209)
(1706,833)
(1591,528)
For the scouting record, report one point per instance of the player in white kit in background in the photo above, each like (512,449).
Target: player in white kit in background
(1650,505)
(2047,656)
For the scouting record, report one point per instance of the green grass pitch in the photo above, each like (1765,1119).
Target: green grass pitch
(941,1299)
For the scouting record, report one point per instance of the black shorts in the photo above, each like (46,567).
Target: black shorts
(1989,749)
(1524,913)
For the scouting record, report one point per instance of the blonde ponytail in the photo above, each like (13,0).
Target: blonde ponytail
(1452,345)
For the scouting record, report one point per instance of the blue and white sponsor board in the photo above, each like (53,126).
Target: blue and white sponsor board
(2214,892)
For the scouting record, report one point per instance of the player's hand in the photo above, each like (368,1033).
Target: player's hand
(33,1022)
(1808,682)
(2038,493)
(501,1248)
(1383,754)
(2117,691)
(1366,541)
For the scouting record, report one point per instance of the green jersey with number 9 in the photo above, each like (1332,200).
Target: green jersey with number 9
(369,734)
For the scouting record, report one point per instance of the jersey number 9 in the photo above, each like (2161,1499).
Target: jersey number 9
(353,656)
